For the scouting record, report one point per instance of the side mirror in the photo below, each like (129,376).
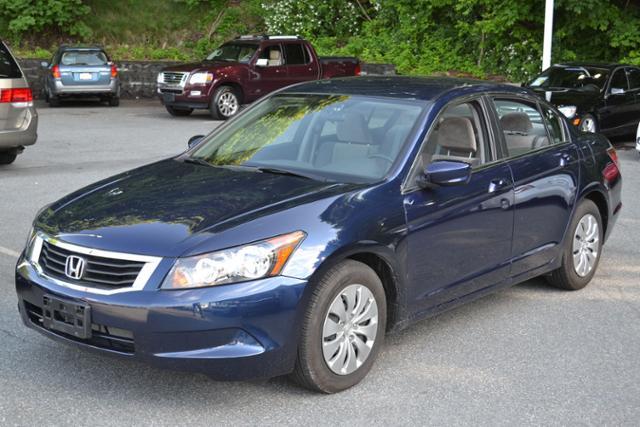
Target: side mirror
(445,173)
(617,91)
(44,64)
(194,140)
(262,62)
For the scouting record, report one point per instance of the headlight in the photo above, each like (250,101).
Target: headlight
(568,110)
(160,78)
(201,78)
(249,262)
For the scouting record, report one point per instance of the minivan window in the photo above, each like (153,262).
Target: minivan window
(8,66)
(523,127)
(325,136)
(83,57)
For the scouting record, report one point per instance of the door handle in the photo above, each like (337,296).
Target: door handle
(565,159)
(497,184)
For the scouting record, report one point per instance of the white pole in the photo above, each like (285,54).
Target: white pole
(548,32)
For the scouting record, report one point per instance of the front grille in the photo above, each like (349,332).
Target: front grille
(172,78)
(100,272)
(102,336)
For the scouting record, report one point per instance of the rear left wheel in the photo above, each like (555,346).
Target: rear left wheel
(343,329)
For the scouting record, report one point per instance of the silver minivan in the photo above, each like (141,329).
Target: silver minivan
(18,117)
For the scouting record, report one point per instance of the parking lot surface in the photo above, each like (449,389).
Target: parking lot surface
(527,355)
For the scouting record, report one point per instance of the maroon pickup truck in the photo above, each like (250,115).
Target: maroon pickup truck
(244,70)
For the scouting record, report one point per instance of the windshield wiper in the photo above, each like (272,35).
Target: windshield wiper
(197,161)
(278,171)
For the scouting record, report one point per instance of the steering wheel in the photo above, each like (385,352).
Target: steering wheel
(381,156)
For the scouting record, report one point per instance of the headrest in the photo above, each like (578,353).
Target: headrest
(456,133)
(516,122)
(274,54)
(353,129)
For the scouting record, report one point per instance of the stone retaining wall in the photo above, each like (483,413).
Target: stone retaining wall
(138,78)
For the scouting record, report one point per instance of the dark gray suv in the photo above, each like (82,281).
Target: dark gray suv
(18,117)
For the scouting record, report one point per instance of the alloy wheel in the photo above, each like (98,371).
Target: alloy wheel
(586,245)
(588,125)
(228,104)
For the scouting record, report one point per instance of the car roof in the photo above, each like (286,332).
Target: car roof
(607,65)
(417,88)
(81,47)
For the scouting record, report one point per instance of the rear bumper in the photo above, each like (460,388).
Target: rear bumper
(235,332)
(25,133)
(59,89)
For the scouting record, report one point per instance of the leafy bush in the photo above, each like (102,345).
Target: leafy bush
(29,16)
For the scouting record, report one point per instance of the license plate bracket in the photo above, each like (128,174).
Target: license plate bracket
(168,97)
(85,76)
(69,317)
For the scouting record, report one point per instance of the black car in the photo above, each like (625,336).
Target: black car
(595,97)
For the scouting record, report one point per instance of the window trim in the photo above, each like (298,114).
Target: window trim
(615,70)
(305,55)
(627,71)
(409,185)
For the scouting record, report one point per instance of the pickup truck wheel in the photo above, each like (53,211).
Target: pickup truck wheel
(178,112)
(7,157)
(582,250)
(343,328)
(225,103)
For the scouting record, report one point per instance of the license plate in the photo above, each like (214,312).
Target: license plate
(85,76)
(169,97)
(70,317)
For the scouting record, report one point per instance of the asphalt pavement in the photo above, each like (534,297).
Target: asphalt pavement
(530,355)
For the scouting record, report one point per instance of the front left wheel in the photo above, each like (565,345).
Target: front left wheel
(343,329)
(225,103)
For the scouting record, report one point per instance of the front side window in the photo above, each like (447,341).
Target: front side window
(83,57)
(234,52)
(327,136)
(619,83)
(459,134)
(294,53)
(522,125)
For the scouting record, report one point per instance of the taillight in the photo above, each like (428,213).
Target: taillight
(357,70)
(16,95)
(55,71)
(612,170)
(114,71)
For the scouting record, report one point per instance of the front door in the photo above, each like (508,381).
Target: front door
(459,238)
(545,167)
(619,107)
(270,72)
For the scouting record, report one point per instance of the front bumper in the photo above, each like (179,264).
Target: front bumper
(190,96)
(113,89)
(231,332)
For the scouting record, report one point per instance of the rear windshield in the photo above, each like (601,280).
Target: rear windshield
(8,67)
(83,57)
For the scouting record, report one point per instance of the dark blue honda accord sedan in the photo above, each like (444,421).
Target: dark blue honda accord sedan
(293,237)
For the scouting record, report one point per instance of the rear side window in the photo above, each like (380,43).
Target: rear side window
(634,78)
(294,54)
(8,66)
(619,82)
(83,58)
(522,124)
(554,125)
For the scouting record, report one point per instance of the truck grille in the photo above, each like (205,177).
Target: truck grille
(172,78)
(100,272)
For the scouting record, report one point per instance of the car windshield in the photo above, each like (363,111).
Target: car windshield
(572,78)
(80,57)
(234,52)
(339,138)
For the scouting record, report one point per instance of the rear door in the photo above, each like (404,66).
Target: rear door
(459,238)
(84,68)
(545,167)
(300,66)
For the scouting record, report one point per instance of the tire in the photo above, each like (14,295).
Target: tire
(54,101)
(225,103)
(312,370)
(114,101)
(588,123)
(7,157)
(573,275)
(178,112)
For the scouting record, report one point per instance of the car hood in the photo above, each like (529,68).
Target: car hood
(200,66)
(581,99)
(167,208)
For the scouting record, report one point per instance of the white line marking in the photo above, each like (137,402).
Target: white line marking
(9,252)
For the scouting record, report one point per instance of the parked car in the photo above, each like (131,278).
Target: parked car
(244,70)
(638,139)
(18,116)
(595,97)
(81,72)
(292,238)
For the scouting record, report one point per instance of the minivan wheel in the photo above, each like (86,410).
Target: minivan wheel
(7,157)
(343,329)
(225,103)
(178,112)
(582,249)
